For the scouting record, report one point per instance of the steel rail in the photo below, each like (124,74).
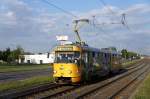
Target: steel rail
(25,92)
(110,90)
(43,88)
(89,89)
(129,83)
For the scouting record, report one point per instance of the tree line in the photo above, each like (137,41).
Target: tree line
(129,54)
(11,56)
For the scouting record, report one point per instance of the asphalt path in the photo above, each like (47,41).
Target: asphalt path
(12,76)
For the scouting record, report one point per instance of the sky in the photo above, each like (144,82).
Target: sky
(34,24)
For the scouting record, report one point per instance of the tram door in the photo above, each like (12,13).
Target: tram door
(85,67)
(85,59)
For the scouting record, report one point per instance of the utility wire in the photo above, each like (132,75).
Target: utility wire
(102,1)
(63,10)
(123,21)
(95,25)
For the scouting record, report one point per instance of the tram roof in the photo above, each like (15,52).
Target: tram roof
(88,48)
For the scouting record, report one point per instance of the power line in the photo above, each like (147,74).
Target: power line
(102,1)
(63,10)
(123,20)
(95,25)
(110,10)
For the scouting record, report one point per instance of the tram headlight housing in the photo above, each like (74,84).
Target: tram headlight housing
(54,71)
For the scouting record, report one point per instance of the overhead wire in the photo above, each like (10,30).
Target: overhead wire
(102,1)
(71,14)
(59,8)
(99,28)
(123,20)
(67,12)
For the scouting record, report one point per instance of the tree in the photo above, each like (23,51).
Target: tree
(124,53)
(11,56)
(5,54)
(1,53)
(17,53)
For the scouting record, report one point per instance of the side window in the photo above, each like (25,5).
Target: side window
(100,55)
(90,58)
(85,57)
(105,55)
(104,58)
(93,54)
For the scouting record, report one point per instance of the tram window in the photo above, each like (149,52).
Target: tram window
(77,55)
(96,54)
(113,55)
(105,55)
(85,57)
(93,54)
(68,57)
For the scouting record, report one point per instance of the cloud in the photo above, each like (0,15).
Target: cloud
(20,25)
(137,17)
(138,8)
(35,30)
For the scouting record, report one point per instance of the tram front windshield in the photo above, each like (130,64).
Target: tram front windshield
(66,57)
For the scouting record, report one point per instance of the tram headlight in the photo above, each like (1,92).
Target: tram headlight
(54,71)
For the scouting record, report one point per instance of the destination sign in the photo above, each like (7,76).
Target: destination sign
(64,48)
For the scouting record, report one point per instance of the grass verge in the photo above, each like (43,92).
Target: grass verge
(129,63)
(26,83)
(17,68)
(144,91)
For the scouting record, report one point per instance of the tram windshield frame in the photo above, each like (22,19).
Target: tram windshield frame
(67,57)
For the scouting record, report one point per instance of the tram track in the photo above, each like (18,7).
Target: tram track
(122,92)
(134,65)
(90,91)
(65,91)
(111,90)
(128,90)
(13,94)
(52,92)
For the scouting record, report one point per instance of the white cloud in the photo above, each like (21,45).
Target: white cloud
(35,29)
(138,8)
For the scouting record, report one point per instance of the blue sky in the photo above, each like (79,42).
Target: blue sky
(34,24)
(83,5)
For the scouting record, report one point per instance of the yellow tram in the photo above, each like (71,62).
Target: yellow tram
(75,63)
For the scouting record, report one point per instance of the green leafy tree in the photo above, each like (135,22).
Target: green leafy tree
(11,56)
(124,53)
(1,53)
(6,54)
(17,53)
